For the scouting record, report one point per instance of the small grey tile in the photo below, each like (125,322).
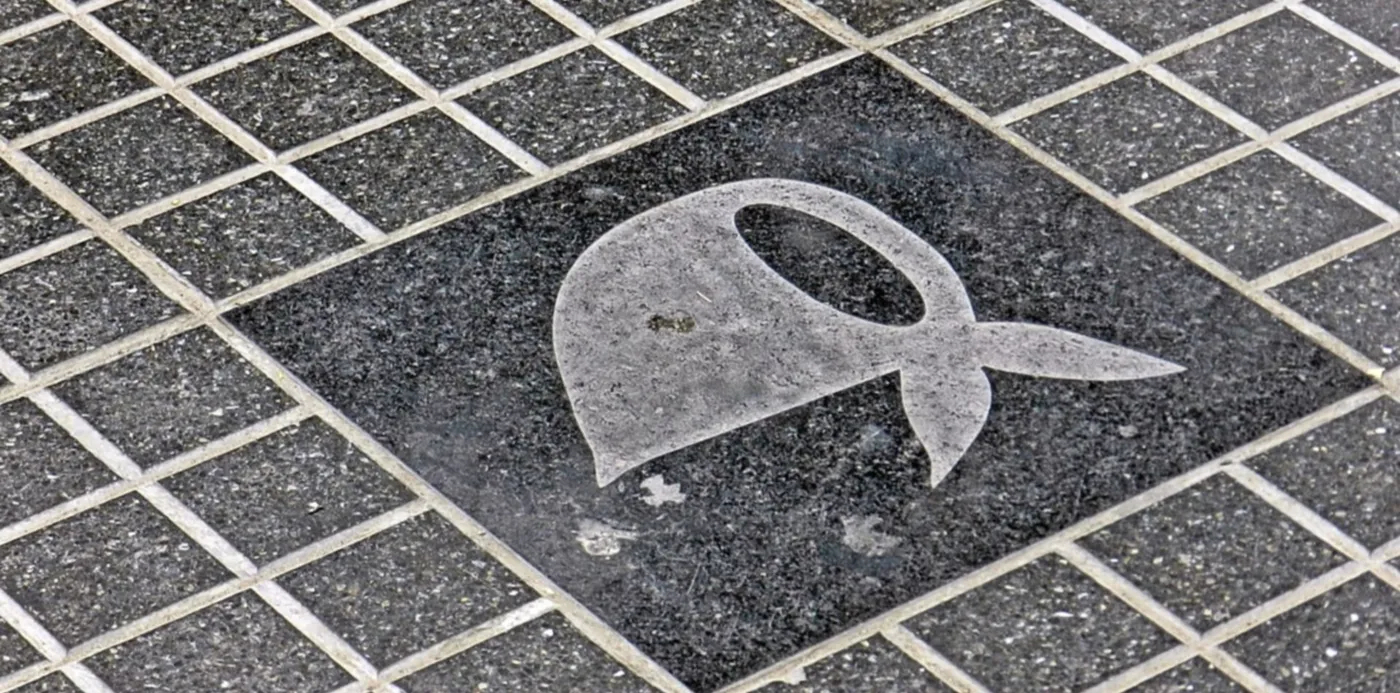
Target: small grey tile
(304,92)
(870,666)
(243,236)
(1360,146)
(1212,552)
(572,105)
(239,644)
(410,170)
(56,74)
(1044,627)
(1129,132)
(16,12)
(1356,297)
(1148,26)
(139,155)
(407,588)
(746,42)
(1005,55)
(53,683)
(339,7)
(172,397)
(1278,69)
(187,34)
(72,301)
(1345,640)
(871,18)
(1195,676)
(103,568)
(447,42)
(290,489)
(15,652)
(40,463)
(546,654)
(27,218)
(1259,213)
(1377,21)
(601,13)
(1348,471)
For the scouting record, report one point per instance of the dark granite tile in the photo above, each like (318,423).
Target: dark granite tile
(546,654)
(339,7)
(407,588)
(1005,55)
(53,683)
(139,155)
(871,18)
(27,218)
(1355,298)
(239,644)
(412,169)
(1358,146)
(16,12)
(173,397)
(872,666)
(1148,26)
(15,653)
(287,490)
(243,236)
(1377,21)
(601,13)
(745,42)
(1259,213)
(442,348)
(56,74)
(1278,69)
(103,568)
(188,34)
(40,464)
(1358,456)
(448,42)
(1195,676)
(572,105)
(72,301)
(1345,640)
(1129,132)
(1212,552)
(1044,627)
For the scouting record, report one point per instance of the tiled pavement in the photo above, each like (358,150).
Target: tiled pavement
(217,445)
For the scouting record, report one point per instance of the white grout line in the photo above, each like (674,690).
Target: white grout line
(1347,36)
(333,206)
(44,250)
(932,660)
(30,28)
(91,115)
(47,646)
(1324,256)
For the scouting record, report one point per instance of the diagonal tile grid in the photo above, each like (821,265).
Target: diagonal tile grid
(77,661)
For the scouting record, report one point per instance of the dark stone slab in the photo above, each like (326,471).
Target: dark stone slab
(27,218)
(1357,145)
(16,12)
(1148,26)
(53,683)
(442,348)
(15,652)
(601,13)
(183,36)
(1195,676)
(103,568)
(1005,55)
(406,589)
(238,644)
(1213,552)
(1377,21)
(338,7)
(871,18)
(871,666)
(72,301)
(1354,298)
(56,74)
(40,464)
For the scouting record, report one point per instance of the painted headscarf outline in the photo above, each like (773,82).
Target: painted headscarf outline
(669,330)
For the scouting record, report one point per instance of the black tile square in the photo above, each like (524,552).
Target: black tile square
(546,654)
(1129,132)
(183,35)
(871,18)
(1345,640)
(53,683)
(290,489)
(41,465)
(1195,676)
(239,644)
(173,397)
(1005,55)
(447,42)
(72,301)
(1212,552)
(1278,69)
(1043,627)
(1359,146)
(1355,298)
(412,169)
(16,12)
(1148,26)
(407,588)
(870,666)
(745,42)
(304,92)
(15,652)
(139,155)
(1348,471)
(339,7)
(104,568)
(27,218)
(56,74)
(1259,213)
(1377,21)
(572,105)
(243,236)
(601,13)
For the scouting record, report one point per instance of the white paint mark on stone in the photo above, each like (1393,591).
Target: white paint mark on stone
(861,536)
(661,492)
(601,538)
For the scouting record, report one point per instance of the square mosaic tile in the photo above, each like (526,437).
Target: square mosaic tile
(870,666)
(15,652)
(69,302)
(1148,26)
(1377,21)
(1357,145)
(871,18)
(13,13)
(77,74)
(601,13)
(1354,298)
(41,465)
(572,105)
(27,218)
(188,34)
(1005,55)
(1195,676)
